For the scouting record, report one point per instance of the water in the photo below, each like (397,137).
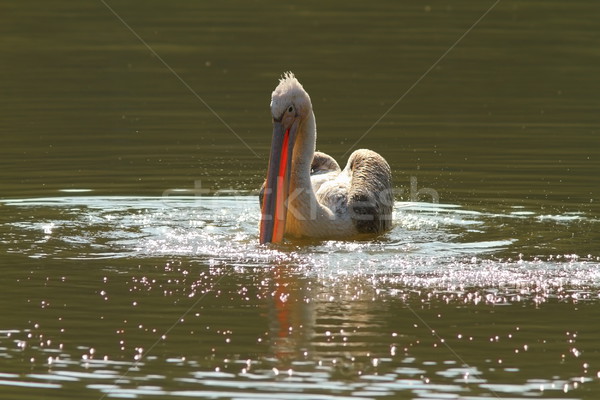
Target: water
(129,216)
(172,296)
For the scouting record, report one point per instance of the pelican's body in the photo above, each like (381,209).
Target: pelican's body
(306,194)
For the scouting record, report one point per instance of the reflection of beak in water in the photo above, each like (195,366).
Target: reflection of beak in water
(331,325)
(293,326)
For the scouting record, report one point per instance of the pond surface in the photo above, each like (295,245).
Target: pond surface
(133,137)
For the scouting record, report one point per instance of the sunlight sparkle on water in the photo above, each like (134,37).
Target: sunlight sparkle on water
(435,256)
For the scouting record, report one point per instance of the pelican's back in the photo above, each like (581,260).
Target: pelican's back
(370,198)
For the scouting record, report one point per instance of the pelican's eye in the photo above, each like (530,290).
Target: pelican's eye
(291,109)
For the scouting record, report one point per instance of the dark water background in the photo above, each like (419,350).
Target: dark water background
(133,136)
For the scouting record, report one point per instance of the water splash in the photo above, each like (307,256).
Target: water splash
(431,245)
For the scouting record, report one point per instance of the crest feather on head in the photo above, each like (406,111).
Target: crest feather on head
(289,91)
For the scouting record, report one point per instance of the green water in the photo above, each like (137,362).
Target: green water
(133,136)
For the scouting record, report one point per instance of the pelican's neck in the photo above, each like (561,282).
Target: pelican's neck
(305,216)
(303,207)
(304,151)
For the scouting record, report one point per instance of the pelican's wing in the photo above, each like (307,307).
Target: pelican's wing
(370,198)
(323,163)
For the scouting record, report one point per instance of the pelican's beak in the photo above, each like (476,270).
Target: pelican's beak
(274,208)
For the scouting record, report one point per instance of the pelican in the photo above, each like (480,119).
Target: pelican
(306,194)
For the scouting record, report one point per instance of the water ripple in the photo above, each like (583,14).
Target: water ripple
(431,245)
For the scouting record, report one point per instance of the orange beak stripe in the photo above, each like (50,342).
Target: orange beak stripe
(273,208)
(279,214)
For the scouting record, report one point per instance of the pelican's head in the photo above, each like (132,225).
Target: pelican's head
(290,105)
(289,99)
